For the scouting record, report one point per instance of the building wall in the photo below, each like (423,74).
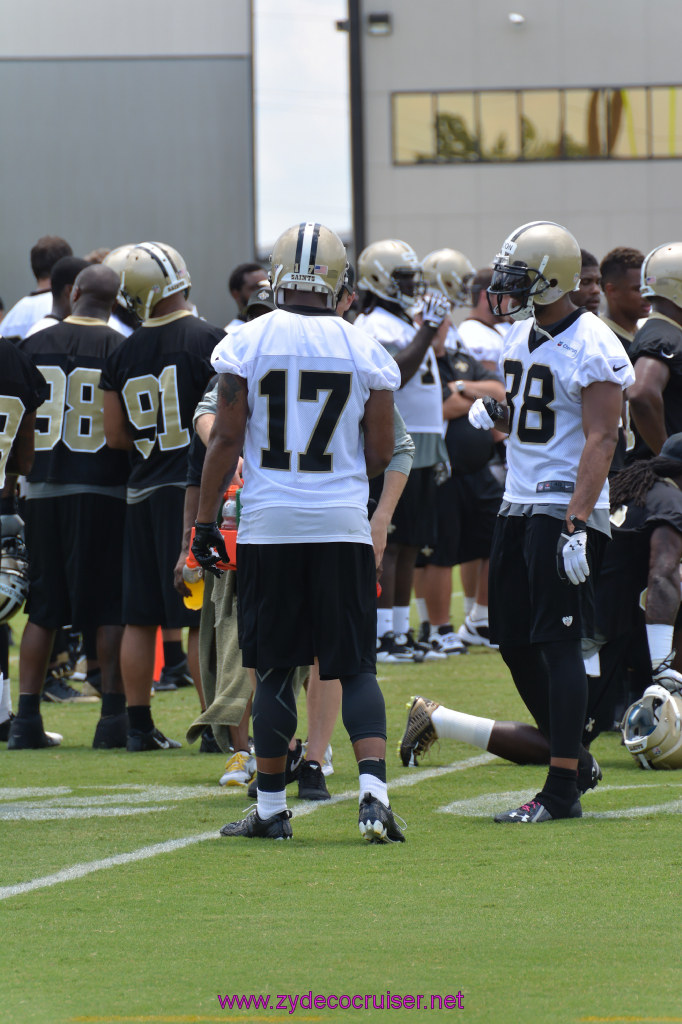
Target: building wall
(130,121)
(445,45)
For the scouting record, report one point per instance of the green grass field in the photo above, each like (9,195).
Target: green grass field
(568,922)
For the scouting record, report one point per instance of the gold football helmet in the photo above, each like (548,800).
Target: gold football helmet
(152,271)
(538,263)
(449,272)
(13,567)
(662,273)
(116,260)
(391,270)
(308,257)
(652,729)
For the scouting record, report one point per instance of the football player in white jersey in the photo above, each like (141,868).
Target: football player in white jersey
(299,390)
(565,373)
(390,276)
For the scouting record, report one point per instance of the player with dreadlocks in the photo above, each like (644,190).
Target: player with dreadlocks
(644,552)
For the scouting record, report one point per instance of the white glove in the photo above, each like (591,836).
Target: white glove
(435,307)
(571,554)
(479,416)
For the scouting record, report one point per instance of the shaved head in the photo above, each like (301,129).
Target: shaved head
(94,291)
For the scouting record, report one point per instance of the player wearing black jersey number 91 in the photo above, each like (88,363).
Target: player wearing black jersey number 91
(300,389)
(564,372)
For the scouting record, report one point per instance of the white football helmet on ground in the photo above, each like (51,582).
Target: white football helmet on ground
(652,729)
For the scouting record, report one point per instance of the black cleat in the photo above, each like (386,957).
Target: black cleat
(534,813)
(4,728)
(376,822)
(29,734)
(420,733)
(311,784)
(154,740)
(58,691)
(111,732)
(295,762)
(589,775)
(175,677)
(209,744)
(254,827)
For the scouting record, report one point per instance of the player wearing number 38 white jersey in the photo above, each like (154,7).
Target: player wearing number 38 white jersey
(545,374)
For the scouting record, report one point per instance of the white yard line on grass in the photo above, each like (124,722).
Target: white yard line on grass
(81,870)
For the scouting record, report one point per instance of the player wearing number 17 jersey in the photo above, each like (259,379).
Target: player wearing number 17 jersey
(310,399)
(565,372)
(152,384)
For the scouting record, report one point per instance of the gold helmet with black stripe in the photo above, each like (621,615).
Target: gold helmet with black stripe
(537,264)
(662,273)
(308,257)
(391,270)
(152,271)
(449,271)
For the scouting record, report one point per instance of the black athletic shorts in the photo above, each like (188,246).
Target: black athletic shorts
(75,549)
(527,601)
(302,601)
(414,520)
(153,539)
(467,508)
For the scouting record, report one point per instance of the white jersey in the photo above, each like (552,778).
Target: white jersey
(25,313)
(309,377)
(483,342)
(544,394)
(420,401)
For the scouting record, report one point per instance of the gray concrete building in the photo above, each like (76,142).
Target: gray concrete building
(124,122)
(480,115)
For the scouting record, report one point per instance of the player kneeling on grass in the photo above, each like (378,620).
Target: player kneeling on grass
(300,390)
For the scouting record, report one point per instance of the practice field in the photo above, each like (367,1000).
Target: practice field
(122,904)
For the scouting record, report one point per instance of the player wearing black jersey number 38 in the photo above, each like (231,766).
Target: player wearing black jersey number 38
(300,391)
(565,372)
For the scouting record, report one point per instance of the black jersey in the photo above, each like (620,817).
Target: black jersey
(69,440)
(469,449)
(22,389)
(625,570)
(160,373)
(661,339)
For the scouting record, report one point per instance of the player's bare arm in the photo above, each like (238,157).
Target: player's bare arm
(116,427)
(663,590)
(646,401)
(601,409)
(377,424)
(224,444)
(22,452)
(394,485)
(460,400)
(188,517)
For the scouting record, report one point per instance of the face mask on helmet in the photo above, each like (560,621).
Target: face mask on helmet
(13,576)
(521,285)
(652,729)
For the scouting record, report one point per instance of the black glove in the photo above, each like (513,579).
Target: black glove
(208,547)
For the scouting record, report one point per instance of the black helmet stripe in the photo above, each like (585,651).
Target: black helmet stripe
(533,224)
(306,247)
(153,251)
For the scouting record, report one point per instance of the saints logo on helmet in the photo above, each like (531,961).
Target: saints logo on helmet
(13,567)
(449,272)
(662,273)
(152,271)
(537,264)
(308,258)
(391,270)
(652,729)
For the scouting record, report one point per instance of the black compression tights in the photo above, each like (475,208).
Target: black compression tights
(274,712)
(552,683)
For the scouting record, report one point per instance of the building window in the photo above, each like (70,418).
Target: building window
(502,126)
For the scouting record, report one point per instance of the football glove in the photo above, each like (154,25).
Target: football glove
(484,412)
(571,554)
(208,547)
(435,307)
(665,675)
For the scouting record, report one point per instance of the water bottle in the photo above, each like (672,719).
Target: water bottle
(229,520)
(193,575)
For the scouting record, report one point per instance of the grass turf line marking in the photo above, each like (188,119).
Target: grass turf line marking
(87,868)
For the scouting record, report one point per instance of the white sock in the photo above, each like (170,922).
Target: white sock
(455,725)
(371,784)
(5,699)
(660,639)
(401,619)
(271,803)
(384,621)
(421,609)
(469,603)
(479,613)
